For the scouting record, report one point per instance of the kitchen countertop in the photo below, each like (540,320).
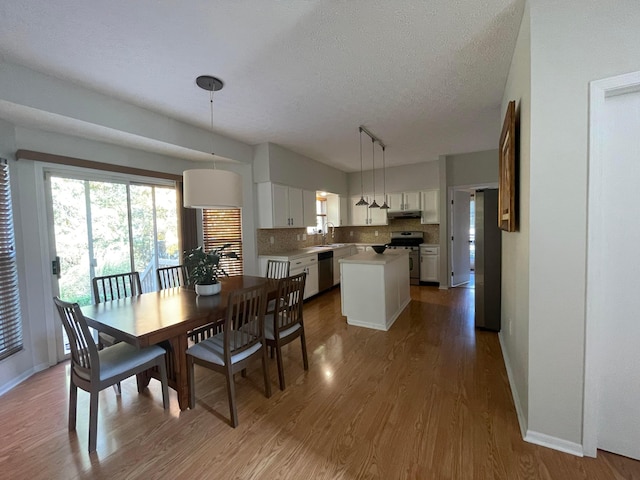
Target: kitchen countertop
(373,258)
(293,254)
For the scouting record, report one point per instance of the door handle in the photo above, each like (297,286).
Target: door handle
(55,267)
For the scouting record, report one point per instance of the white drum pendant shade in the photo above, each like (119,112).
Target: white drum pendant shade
(209,188)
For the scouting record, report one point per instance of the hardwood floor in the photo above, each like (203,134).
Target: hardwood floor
(427,400)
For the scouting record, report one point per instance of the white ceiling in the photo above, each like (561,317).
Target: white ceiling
(425,76)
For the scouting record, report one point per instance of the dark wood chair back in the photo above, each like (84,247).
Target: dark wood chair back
(114,287)
(171,277)
(244,323)
(84,353)
(289,302)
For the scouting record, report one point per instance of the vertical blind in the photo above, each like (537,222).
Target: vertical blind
(10,318)
(220,227)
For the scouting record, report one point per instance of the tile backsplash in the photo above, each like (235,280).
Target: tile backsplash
(286,239)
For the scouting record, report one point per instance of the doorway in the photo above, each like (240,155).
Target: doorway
(101,226)
(612,396)
(462,226)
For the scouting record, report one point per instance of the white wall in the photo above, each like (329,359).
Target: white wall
(572,43)
(405,178)
(472,168)
(21,86)
(290,168)
(514,336)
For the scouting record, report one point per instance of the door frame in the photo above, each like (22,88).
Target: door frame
(598,91)
(43,172)
(450,226)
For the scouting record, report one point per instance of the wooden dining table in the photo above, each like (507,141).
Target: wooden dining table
(165,317)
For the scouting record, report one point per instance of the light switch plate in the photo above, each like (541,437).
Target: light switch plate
(272,240)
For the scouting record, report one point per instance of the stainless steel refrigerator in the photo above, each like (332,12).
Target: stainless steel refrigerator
(488,261)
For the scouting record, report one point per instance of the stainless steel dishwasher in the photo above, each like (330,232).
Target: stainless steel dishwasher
(325,270)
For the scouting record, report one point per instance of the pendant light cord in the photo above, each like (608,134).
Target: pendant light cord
(373,170)
(384,178)
(213,156)
(361,170)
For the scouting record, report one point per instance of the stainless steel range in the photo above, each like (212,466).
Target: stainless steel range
(409,241)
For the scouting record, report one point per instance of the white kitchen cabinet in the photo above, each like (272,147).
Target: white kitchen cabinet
(282,206)
(363,215)
(375,288)
(339,253)
(429,263)
(311,286)
(309,265)
(338,210)
(430,206)
(399,202)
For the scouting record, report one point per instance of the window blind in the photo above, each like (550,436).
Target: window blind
(220,227)
(10,317)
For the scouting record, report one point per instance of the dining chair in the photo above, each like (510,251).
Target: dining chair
(171,277)
(277,269)
(177,276)
(231,350)
(113,287)
(286,323)
(93,370)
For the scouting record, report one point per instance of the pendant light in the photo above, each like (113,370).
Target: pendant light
(362,201)
(374,204)
(384,206)
(211,188)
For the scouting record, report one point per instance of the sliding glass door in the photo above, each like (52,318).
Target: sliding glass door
(104,226)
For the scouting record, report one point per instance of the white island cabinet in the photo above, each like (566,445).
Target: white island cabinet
(374,288)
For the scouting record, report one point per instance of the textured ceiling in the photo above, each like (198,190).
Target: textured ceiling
(425,76)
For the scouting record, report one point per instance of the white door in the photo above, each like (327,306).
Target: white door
(460,266)
(614,254)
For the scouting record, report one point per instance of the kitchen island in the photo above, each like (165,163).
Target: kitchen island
(374,288)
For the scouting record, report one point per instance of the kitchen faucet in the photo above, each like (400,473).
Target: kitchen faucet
(324,231)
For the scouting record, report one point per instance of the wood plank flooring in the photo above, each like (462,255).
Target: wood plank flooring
(427,400)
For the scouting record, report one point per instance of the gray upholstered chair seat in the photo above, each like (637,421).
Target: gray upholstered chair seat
(212,349)
(122,357)
(269,330)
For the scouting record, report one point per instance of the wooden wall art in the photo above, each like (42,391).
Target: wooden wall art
(507,165)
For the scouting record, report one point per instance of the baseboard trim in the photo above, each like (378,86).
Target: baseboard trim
(14,382)
(522,420)
(530,436)
(555,443)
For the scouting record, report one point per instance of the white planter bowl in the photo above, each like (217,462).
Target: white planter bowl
(208,289)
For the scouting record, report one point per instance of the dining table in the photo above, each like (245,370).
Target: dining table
(165,318)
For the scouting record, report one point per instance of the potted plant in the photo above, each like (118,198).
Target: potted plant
(204,268)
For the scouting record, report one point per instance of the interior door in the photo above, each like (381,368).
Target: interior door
(460,265)
(617,292)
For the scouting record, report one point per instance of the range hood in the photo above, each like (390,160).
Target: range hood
(404,214)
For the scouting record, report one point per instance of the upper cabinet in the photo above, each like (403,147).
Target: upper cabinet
(337,210)
(280,206)
(363,215)
(430,206)
(404,201)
